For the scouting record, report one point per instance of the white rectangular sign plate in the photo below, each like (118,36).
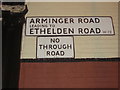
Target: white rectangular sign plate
(78,25)
(55,47)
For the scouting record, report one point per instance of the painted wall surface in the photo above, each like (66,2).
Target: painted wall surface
(88,74)
(85,46)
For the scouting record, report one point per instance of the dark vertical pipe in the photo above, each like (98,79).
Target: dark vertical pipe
(12,23)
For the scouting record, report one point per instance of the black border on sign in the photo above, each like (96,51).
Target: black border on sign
(56,57)
(36,46)
(71,35)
